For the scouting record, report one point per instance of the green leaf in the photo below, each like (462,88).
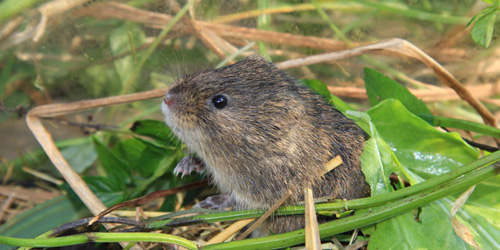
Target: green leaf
(380,87)
(418,146)
(43,217)
(156,130)
(141,157)
(481,14)
(485,232)
(130,150)
(424,152)
(482,32)
(106,189)
(117,169)
(433,230)
(157,147)
(485,200)
(80,156)
(481,213)
(150,159)
(166,164)
(377,160)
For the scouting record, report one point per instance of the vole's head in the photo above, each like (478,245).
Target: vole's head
(249,103)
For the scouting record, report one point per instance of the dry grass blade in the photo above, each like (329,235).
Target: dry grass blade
(333,163)
(460,229)
(73,179)
(230,231)
(405,48)
(313,241)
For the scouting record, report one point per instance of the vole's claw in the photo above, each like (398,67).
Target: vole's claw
(188,164)
(217,202)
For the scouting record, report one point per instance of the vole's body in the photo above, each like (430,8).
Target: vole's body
(272,135)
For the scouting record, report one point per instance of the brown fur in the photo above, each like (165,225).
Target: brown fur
(273,135)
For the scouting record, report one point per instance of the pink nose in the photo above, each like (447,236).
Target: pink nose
(168,101)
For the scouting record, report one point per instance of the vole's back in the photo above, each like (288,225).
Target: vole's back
(272,135)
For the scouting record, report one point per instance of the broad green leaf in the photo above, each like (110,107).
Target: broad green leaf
(117,169)
(43,217)
(480,15)
(418,146)
(485,200)
(380,87)
(156,130)
(165,165)
(106,190)
(482,32)
(431,230)
(481,213)
(130,150)
(423,152)
(80,156)
(151,158)
(141,157)
(378,163)
(377,160)
(485,232)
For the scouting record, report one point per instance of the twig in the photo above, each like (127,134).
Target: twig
(84,125)
(149,197)
(85,222)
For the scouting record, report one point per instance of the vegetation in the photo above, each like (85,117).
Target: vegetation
(62,52)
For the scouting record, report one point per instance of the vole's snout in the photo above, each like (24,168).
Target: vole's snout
(168,100)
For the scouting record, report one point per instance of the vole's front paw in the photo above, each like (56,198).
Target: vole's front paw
(217,202)
(188,164)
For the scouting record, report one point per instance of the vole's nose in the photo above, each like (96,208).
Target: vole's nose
(168,100)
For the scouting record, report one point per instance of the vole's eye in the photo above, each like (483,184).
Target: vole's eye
(219,101)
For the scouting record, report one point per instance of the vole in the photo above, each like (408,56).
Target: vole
(258,133)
